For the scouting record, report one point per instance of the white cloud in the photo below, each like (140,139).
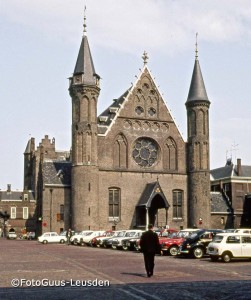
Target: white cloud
(126,25)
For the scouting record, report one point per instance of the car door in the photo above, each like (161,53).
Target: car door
(234,245)
(246,246)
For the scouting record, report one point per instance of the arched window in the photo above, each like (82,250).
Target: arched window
(177,204)
(120,152)
(170,155)
(114,202)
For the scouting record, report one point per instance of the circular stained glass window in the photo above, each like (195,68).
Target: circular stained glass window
(145,152)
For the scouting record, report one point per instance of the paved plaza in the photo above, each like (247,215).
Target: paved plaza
(70,272)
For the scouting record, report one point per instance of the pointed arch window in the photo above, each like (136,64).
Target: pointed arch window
(177,204)
(170,155)
(114,202)
(120,152)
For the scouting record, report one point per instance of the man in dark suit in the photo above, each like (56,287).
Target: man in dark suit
(149,244)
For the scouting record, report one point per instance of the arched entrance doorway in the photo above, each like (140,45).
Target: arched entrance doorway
(152,207)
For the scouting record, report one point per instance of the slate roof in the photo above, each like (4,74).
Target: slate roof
(150,192)
(197,89)
(219,203)
(14,195)
(57,172)
(106,117)
(230,171)
(84,64)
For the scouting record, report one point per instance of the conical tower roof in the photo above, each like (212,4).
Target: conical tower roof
(84,64)
(197,91)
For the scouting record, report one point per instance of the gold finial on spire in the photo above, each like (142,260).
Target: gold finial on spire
(145,57)
(196,47)
(84,25)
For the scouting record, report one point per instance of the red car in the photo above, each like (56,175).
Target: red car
(171,245)
(163,234)
(95,240)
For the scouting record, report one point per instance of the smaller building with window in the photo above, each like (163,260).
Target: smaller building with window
(21,208)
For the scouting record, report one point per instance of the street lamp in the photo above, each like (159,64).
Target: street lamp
(51,191)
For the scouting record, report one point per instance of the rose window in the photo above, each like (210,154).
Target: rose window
(145,152)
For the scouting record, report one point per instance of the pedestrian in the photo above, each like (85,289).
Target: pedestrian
(68,236)
(150,245)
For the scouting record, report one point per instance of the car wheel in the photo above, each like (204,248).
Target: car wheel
(198,252)
(173,250)
(114,247)
(226,257)
(62,241)
(214,258)
(125,247)
(45,242)
(75,242)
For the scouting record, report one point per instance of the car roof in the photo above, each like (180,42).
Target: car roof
(233,234)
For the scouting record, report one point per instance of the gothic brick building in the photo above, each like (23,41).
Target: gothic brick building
(129,166)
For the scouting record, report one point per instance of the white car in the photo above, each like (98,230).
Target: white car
(230,245)
(51,237)
(117,241)
(75,239)
(86,239)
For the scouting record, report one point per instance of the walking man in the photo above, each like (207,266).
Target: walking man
(150,245)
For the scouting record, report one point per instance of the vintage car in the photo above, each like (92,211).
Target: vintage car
(11,235)
(107,243)
(228,246)
(171,244)
(51,237)
(117,241)
(76,238)
(196,244)
(129,243)
(96,241)
(87,238)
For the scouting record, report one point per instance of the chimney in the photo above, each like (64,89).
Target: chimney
(8,188)
(239,171)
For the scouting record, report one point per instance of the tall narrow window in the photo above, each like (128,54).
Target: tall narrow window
(114,202)
(25,213)
(61,212)
(177,204)
(13,212)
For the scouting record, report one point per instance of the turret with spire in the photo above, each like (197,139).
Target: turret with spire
(84,90)
(199,207)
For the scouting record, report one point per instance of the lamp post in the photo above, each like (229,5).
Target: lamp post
(51,191)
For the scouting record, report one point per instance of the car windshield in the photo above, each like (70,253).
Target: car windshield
(130,234)
(121,233)
(217,238)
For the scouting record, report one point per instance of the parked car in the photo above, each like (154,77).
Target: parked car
(51,237)
(87,238)
(196,244)
(117,242)
(12,234)
(171,245)
(228,246)
(129,244)
(243,230)
(95,242)
(76,238)
(107,243)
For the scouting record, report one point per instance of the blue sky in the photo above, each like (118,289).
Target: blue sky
(39,46)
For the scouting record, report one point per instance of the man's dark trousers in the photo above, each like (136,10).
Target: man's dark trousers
(149,262)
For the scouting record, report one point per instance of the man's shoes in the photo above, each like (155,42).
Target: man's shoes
(149,274)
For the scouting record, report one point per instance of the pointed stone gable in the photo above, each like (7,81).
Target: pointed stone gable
(141,107)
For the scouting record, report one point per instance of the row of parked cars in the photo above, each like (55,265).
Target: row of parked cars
(215,243)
